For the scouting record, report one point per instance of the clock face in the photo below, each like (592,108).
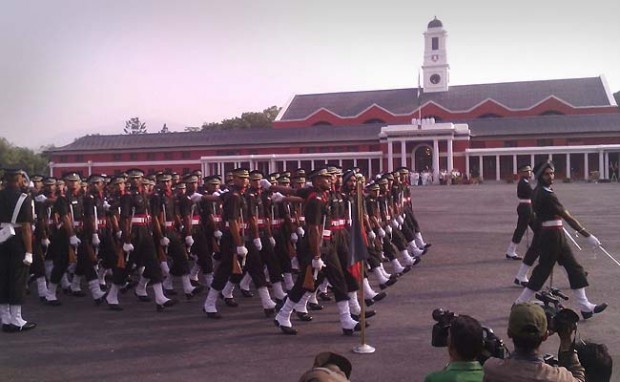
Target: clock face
(435,57)
(435,79)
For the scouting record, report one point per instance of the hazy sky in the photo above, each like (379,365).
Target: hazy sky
(71,68)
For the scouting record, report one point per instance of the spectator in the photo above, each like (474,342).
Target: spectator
(527,326)
(328,367)
(464,346)
(596,360)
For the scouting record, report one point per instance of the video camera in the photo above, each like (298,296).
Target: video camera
(558,317)
(493,346)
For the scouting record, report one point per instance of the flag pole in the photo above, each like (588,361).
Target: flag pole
(363,347)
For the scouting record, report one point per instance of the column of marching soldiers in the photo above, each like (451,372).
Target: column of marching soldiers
(287,233)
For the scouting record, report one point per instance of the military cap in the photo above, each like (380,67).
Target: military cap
(319,172)
(334,170)
(301,172)
(372,186)
(402,170)
(299,179)
(135,173)
(60,182)
(525,168)
(163,177)
(117,180)
(146,181)
(347,175)
(256,175)
(189,178)
(198,173)
(382,181)
(10,172)
(36,178)
(72,176)
(213,179)
(94,178)
(284,180)
(241,173)
(388,176)
(273,176)
(49,181)
(286,173)
(180,186)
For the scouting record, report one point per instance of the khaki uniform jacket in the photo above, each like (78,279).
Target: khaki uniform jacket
(518,370)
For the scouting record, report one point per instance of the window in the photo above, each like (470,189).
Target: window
(133,156)
(150,156)
(185,154)
(167,155)
(117,156)
(511,143)
(544,142)
(435,43)
(79,157)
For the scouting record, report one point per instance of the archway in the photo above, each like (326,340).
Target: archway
(422,157)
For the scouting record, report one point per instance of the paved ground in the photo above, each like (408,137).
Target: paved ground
(465,271)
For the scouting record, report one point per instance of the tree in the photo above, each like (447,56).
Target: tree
(247,120)
(20,157)
(134,126)
(164,130)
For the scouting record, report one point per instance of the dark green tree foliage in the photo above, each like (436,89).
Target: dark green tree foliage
(134,126)
(12,156)
(247,120)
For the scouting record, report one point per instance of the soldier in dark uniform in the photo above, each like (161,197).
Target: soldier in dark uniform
(409,219)
(318,254)
(524,211)
(16,221)
(211,217)
(115,258)
(138,240)
(553,245)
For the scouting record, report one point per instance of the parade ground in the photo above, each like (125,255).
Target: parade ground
(465,271)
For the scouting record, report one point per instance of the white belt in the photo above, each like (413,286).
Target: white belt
(168,224)
(327,234)
(277,221)
(139,220)
(195,221)
(241,225)
(339,222)
(260,221)
(77,224)
(4,225)
(527,201)
(302,219)
(217,219)
(552,223)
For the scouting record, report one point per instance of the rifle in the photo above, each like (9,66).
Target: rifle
(72,250)
(96,229)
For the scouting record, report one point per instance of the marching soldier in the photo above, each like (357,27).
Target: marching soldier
(16,221)
(524,211)
(115,257)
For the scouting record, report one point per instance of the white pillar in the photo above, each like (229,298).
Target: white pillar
(568,174)
(480,172)
(90,167)
(51,166)
(606,165)
(586,166)
(514,164)
(532,160)
(369,167)
(403,153)
(497,174)
(450,157)
(601,164)
(467,165)
(435,161)
(390,158)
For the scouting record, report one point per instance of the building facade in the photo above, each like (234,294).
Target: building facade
(486,130)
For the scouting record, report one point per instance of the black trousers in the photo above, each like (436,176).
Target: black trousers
(13,271)
(178,254)
(554,248)
(524,212)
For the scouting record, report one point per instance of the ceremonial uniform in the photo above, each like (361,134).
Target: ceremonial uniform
(524,212)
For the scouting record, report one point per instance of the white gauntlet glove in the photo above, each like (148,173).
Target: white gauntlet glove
(277,197)
(394,224)
(165,269)
(74,241)
(381,232)
(189,240)
(196,197)
(272,241)
(242,250)
(40,198)
(106,205)
(128,247)
(294,237)
(400,219)
(265,183)
(164,241)
(45,243)
(300,232)
(388,229)
(258,244)
(95,240)
(119,235)
(593,241)
(372,235)
(318,263)
(28,259)
(217,234)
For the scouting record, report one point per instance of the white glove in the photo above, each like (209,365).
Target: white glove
(216,193)
(165,269)
(128,247)
(277,197)
(242,250)
(164,241)
(74,241)
(106,205)
(196,197)
(394,224)
(95,240)
(272,241)
(400,219)
(265,183)
(189,240)
(317,263)
(388,229)
(258,244)
(372,235)
(71,267)
(40,198)
(593,241)
(381,232)
(294,237)
(45,243)
(217,234)
(300,232)
(119,234)
(28,259)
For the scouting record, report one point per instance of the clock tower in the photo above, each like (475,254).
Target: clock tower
(436,69)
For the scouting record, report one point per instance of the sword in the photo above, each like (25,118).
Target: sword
(96,226)
(571,238)
(609,255)
(164,230)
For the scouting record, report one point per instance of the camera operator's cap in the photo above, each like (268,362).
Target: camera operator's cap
(241,173)
(527,320)
(135,173)
(320,172)
(256,175)
(326,358)
(72,176)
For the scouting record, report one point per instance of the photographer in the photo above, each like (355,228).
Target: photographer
(464,346)
(527,326)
